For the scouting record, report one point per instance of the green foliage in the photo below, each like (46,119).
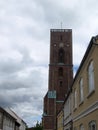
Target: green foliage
(38,126)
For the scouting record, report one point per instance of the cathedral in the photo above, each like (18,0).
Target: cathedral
(60,75)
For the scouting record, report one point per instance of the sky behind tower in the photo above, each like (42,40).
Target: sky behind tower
(24,47)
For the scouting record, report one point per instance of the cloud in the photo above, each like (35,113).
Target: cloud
(25,88)
(25,44)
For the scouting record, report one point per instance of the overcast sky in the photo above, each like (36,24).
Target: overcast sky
(24,47)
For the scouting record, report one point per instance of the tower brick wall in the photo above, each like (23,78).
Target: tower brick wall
(60,75)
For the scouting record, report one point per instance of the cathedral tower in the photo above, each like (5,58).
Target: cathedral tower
(60,75)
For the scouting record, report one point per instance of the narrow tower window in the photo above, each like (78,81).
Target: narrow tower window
(61,56)
(61,38)
(60,72)
(61,83)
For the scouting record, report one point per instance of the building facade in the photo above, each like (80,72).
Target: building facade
(60,120)
(68,110)
(10,121)
(60,75)
(7,122)
(85,90)
(81,103)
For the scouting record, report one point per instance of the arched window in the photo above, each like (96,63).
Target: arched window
(81,90)
(75,98)
(91,86)
(60,73)
(61,56)
(81,127)
(92,125)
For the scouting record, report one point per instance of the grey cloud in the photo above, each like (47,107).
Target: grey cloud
(9,66)
(11,100)
(21,90)
(24,44)
(55,13)
(12,85)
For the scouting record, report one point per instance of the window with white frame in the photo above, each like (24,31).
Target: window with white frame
(75,98)
(70,104)
(67,108)
(91,77)
(81,127)
(92,125)
(75,128)
(81,90)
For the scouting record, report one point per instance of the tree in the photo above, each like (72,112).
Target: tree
(38,126)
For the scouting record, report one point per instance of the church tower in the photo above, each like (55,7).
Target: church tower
(60,75)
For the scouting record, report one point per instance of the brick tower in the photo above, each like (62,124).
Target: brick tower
(60,75)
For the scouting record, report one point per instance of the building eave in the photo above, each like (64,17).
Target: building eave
(94,41)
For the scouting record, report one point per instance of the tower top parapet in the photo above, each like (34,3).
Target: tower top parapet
(61,30)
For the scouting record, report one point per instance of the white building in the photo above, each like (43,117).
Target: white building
(68,112)
(10,121)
